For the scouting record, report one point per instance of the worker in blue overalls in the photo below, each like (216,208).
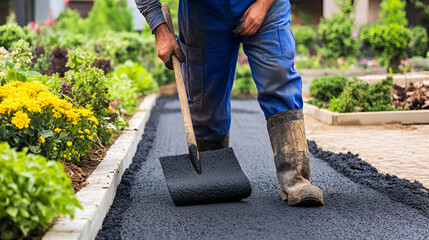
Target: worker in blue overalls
(210,33)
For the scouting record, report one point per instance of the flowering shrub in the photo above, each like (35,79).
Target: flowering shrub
(33,117)
(33,192)
(86,86)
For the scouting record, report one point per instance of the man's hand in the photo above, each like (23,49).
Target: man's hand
(253,18)
(166,46)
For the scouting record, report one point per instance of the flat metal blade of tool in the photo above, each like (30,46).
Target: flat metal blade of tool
(222,179)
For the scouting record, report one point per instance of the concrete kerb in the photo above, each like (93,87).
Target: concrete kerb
(368,118)
(341,72)
(100,191)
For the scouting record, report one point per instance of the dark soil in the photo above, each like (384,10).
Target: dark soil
(168,90)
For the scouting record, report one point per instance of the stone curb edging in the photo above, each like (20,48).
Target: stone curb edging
(100,191)
(368,118)
(345,72)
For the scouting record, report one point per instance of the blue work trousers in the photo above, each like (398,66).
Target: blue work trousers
(211,49)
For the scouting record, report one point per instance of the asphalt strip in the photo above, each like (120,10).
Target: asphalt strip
(360,203)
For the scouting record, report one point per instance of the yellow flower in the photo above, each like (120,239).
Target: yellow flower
(57,130)
(21,120)
(87,131)
(55,148)
(69,143)
(79,131)
(90,137)
(93,119)
(82,137)
(42,139)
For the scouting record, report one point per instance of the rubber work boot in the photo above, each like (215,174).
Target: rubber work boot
(213,144)
(292,160)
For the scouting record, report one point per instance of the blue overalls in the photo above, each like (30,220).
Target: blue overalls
(211,49)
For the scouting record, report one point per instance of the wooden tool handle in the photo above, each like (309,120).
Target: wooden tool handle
(186,114)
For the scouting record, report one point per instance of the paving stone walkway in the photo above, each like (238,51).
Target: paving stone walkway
(392,149)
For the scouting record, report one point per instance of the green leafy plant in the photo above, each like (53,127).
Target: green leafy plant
(243,82)
(389,42)
(108,15)
(128,80)
(325,88)
(69,20)
(140,77)
(121,47)
(318,103)
(393,12)
(419,41)
(41,59)
(336,35)
(122,88)
(304,38)
(359,96)
(87,87)
(162,75)
(16,65)
(10,33)
(33,192)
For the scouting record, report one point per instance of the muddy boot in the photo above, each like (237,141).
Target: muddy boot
(292,160)
(209,145)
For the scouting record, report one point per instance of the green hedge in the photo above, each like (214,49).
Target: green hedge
(325,88)
(359,96)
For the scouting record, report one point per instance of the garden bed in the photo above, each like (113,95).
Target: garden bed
(99,193)
(78,172)
(368,118)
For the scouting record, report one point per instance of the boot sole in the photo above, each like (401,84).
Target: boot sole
(305,202)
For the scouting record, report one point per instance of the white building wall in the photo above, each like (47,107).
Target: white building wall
(362,13)
(43,7)
(329,8)
(56,6)
(138,19)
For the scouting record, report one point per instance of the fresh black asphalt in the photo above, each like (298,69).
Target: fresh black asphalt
(355,207)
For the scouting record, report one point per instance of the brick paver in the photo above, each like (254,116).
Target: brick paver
(393,149)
